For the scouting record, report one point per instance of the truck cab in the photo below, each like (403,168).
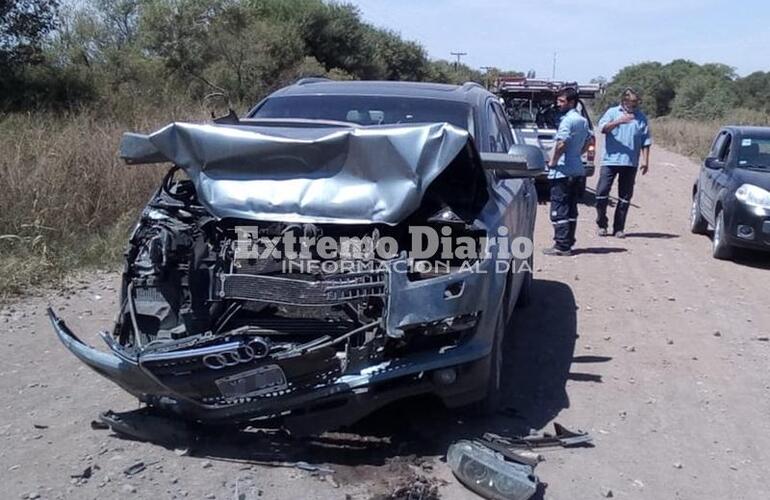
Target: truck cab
(533,115)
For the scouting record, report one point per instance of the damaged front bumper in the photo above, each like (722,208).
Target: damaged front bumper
(227,382)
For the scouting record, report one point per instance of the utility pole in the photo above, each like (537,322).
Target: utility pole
(458,55)
(486,74)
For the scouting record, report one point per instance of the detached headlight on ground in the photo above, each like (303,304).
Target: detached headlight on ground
(753,196)
(489,474)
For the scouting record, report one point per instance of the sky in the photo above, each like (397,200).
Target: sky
(589,37)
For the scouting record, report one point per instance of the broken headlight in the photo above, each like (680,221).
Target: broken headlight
(487,473)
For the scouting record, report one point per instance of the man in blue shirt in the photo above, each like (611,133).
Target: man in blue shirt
(626,146)
(566,172)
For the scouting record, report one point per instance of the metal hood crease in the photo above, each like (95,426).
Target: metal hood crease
(321,174)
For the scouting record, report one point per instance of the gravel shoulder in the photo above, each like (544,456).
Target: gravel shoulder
(648,343)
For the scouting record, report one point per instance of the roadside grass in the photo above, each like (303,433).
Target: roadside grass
(66,200)
(693,138)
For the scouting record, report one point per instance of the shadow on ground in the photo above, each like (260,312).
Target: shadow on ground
(538,355)
(661,236)
(598,250)
(751,258)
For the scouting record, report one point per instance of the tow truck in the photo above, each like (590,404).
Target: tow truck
(533,115)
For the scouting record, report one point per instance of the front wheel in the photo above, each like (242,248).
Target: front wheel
(491,402)
(720,248)
(698,224)
(525,294)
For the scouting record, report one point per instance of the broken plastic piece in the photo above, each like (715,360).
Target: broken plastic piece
(488,474)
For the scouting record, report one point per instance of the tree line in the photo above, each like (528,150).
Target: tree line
(684,89)
(63,56)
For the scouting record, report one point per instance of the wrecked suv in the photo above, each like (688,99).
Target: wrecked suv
(221,321)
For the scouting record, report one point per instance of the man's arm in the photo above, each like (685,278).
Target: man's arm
(563,135)
(610,126)
(644,164)
(558,150)
(607,124)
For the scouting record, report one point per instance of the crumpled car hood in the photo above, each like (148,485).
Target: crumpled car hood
(306,174)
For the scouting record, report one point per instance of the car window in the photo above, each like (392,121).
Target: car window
(367,110)
(496,129)
(716,147)
(502,123)
(754,152)
(724,152)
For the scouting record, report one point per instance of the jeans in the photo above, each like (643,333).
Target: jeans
(626,179)
(564,210)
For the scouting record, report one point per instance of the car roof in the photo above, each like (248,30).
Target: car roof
(471,92)
(753,131)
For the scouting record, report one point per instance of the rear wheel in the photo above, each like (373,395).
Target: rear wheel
(720,248)
(698,224)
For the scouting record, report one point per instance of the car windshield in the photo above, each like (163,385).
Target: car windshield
(754,152)
(367,110)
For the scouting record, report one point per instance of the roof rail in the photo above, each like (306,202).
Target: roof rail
(467,86)
(312,79)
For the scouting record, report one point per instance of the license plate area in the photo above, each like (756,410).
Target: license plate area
(262,380)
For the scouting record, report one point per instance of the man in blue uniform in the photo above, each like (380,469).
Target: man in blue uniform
(626,149)
(566,172)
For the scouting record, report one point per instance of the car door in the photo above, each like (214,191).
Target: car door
(713,165)
(721,177)
(517,196)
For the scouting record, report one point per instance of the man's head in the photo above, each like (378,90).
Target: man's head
(630,99)
(566,99)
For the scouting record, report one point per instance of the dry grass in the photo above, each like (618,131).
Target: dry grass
(66,200)
(693,138)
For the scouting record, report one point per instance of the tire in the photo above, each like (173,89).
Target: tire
(491,402)
(525,294)
(698,224)
(720,248)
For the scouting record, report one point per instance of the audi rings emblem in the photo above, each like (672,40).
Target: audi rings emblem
(256,348)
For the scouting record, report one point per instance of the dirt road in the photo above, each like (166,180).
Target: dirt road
(654,347)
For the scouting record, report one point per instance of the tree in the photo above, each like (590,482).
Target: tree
(23,25)
(649,80)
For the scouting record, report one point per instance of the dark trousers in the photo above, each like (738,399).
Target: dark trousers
(565,193)
(626,179)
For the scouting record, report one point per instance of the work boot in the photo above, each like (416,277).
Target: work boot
(620,234)
(557,252)
(602,231)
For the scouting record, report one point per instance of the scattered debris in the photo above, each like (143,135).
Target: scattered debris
(411,488)
(134,469)
(561,437)
(85,475)
(489,474)
(143,425)
(313,468)
(98,425)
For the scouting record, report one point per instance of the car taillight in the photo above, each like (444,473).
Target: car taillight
(591,152)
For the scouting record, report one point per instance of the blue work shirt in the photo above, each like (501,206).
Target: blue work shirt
(574,132)
(623,144)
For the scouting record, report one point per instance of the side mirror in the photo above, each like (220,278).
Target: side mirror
(217,104)
(712,163)
(520,161)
